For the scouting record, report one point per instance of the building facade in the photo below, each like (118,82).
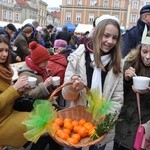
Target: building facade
(54,16)
(133,13)
(17,11)
(85,11)
(42,13)
(10,11)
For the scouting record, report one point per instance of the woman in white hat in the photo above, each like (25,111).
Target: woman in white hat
(99,67)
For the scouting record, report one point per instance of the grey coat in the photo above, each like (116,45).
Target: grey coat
(40,91)
(22,46)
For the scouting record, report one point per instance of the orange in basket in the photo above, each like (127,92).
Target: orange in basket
(76,119)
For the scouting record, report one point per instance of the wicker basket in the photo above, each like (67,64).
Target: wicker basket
(75,113)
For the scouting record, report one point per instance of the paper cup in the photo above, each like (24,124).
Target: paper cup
(14,48)
(32,81)
(56,80)
(141,83)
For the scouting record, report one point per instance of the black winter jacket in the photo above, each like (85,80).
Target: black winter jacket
(132,37)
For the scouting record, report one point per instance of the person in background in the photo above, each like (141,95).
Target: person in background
(100,67)
(47,36)
(58,29)
(57,65)
(38,31)
(22,42)
(38,37)
(35,66)
(137,62)
(74,42)
(64,35)
(84,37)
(58,62)
(61,47)
(35,24)
(9,32)
(133,36)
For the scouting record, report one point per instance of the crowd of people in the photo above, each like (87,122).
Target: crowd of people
(103,59)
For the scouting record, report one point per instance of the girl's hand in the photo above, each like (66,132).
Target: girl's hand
(129,73)
(21,85)
(140,91)
(77,83)
(48,81)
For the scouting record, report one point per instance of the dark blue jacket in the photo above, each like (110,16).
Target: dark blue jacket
(132,37)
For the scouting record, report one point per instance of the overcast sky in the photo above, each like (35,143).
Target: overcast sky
(53,3)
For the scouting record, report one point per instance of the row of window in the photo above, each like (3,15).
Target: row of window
(136,4)
(7,1)
(116,4)
(9,15)
(78,16)
(91,17)
(94,2)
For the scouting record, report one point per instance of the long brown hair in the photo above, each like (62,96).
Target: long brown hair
(115,63)
(4,39)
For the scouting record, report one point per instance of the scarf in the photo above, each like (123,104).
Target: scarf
(6,74)
(34,67)
(89,45)
(96,77)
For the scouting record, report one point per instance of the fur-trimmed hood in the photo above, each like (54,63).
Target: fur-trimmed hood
(132,55)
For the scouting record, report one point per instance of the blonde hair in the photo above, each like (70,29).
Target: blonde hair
(115,52)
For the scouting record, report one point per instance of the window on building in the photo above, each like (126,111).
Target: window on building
(135,4)
(93,2)
(16,17)
(69,2)
(147,3)
(116,3)
(105,3)
(5,14)
(91,17)
(68,16)
(79,2)
(78,17)
(10,15)
(134,18)
(6,1)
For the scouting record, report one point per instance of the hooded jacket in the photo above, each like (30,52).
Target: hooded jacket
(57,66)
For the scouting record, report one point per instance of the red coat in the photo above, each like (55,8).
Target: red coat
(57,65)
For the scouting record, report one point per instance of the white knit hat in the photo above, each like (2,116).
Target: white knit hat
(104,17)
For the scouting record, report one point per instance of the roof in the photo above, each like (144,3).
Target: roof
(22,3)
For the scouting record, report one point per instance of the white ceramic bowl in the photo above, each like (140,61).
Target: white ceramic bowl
(56,80)
(32,81)
(141,83)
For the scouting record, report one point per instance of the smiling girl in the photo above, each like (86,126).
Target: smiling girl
(100,68)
